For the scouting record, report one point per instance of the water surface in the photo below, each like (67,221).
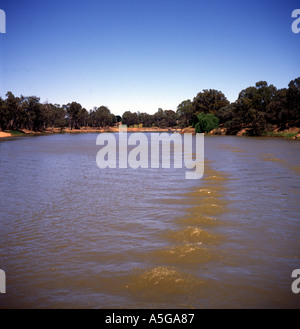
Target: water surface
(75,236)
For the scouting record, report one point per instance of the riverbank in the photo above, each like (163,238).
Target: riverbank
(5,135)
(50,131)
(291,133)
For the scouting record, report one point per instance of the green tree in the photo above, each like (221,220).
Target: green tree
(206,123)
(3,114)
(58,116)
(277,111)
(38,114)
(170,118)
(83,118)
(14,112)
(130,119)
(163,119)
(159,118)
(73,113)
(263,95)
(208,101)
(251,109)
(234,125)
(101,117)
(185,113)
(293,101)
(118,118)
(146,119)
(256,122)
(226,113)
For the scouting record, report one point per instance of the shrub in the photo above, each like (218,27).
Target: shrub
(206,123)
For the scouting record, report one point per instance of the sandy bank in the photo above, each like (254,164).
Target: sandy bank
(4,135)
(50,131)
(291,133)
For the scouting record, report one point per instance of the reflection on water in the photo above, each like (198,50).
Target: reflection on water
(75,236)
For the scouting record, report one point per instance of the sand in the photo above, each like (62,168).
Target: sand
(3,134)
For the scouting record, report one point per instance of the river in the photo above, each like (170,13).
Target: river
(75,236)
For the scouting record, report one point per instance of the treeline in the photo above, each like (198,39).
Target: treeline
(257,109)
(17,113)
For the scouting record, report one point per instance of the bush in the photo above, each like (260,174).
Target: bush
(206,123)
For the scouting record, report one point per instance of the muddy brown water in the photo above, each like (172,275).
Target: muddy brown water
(75,236)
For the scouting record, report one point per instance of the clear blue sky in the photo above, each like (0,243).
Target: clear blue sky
(140,55)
